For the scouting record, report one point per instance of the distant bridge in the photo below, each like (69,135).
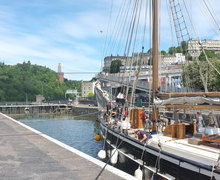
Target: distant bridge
(61,74)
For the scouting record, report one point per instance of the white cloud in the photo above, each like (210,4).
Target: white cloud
(68,32)
(54,43)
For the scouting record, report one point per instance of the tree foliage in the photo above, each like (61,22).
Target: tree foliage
(191,76)
(163,52)
(115,66)
(26,79)
(179,49)
(184,47)
(172,50)
(209,54)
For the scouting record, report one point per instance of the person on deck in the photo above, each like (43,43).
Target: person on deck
(108,108)
(164,120)
(145,119)
(119,112)
(212,120)
(126,113)
(199,121)
(142,135)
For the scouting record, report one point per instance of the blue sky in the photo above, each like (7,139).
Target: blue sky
(48,32)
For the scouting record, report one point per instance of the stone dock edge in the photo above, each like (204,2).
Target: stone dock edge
(110,168)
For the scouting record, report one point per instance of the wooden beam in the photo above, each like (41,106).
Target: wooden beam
(176,106)
(191,94)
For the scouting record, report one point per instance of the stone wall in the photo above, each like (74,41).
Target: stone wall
(85,111)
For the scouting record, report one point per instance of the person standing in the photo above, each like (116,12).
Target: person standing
(108,108)
(143,118)
(142,136)
(212,120)
(199,121)
(119,112)
(126,113)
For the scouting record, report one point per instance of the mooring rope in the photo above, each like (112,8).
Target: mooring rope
(97,177)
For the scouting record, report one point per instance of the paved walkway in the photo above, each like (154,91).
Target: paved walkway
(27,154)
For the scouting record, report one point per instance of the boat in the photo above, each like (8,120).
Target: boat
(174,149)
(26,109)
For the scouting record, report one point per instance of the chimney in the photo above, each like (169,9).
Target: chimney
(60,73)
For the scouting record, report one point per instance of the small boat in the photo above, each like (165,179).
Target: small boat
(26,110)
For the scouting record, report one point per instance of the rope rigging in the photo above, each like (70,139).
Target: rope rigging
(179,21)
(210,12)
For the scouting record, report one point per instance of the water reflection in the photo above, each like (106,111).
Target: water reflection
(73,131)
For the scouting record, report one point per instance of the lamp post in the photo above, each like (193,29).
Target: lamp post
(101,48)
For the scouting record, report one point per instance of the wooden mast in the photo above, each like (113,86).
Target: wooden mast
(155,45)
(155,51)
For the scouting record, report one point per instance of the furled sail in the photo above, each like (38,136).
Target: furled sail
(102,96)
(188,101)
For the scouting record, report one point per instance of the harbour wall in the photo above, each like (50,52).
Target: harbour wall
(79,110)
(85,111)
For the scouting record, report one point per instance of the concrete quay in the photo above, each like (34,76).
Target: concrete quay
(27,154)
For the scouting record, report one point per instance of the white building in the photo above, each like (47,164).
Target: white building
(195,46)
(87,87)
(178,58)
(126,60)
(108,60)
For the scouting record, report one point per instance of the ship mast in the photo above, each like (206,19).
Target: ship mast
(155,50)
(155,46)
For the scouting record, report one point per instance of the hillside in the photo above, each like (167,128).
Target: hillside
(26,79)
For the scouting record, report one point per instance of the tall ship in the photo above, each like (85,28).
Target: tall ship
(173,134)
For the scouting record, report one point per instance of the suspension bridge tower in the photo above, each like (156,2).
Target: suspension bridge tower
(60,73)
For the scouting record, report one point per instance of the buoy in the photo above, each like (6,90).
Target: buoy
(114,156)
(124,125)
(138,173)
(122,159)
(102,154)
(98,137)
(118,125)
(129,125)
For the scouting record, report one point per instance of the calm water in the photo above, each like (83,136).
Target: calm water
(73,132)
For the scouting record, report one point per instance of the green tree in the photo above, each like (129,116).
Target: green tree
(115,66)
(163,52)
(209,54)
(189,57)
(184,47)
(179,49)
(172,50)
(21,79)
(216,77)
(192,77)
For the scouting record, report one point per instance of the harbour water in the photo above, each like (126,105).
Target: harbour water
(76,132)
